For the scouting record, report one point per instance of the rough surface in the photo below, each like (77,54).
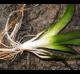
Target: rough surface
(35,20)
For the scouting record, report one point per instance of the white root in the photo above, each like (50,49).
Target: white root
(34,38)
(17,27)
(26,36)
(41,53)
(30,45)
(12,36)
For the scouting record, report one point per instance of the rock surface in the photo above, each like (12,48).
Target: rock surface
(36,18)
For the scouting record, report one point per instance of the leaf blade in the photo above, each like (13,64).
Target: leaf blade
(65,37)
(72,42)
(61,48)
(58,26)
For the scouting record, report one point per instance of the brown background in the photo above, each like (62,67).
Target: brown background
(35,20)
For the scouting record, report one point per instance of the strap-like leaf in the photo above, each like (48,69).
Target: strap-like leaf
(62,48)
(72,42)
(65,57)
(58,26)
(66,37)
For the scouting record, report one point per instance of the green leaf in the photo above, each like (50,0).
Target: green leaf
(58,26)
(65,37)
(61,48)
(71,57)
(72,42)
